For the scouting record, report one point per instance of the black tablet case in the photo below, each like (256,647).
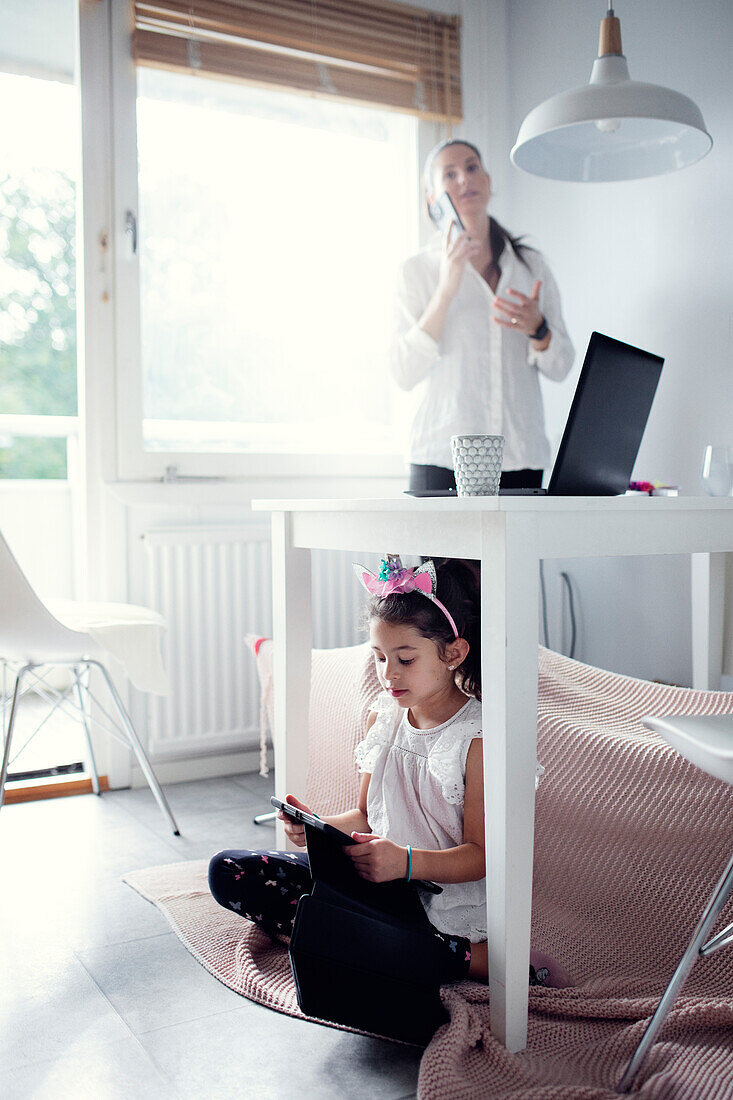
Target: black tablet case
(364,954)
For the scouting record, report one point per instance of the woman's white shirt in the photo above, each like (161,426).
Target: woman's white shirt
(480,378)
(416,795)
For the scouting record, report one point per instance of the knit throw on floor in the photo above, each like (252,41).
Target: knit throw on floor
(630,841)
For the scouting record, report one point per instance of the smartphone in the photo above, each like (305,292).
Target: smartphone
(445,215)
(336,835)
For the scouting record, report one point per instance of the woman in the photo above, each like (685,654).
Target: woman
(478,317)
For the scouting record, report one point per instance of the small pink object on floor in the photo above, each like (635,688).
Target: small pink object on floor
(547,971)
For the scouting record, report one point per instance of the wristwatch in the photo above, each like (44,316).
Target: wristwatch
(541,331)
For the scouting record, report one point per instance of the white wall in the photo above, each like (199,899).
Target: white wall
(37,522)
(648,262)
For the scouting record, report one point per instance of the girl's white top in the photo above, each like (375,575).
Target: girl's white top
(416,797)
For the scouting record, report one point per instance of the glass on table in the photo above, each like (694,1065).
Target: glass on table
(717,470)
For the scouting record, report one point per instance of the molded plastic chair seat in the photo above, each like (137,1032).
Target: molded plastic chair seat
(706,741)
(31,640)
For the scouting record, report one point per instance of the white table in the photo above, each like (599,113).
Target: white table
(509,535)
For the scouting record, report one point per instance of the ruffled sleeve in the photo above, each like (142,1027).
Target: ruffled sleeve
(380,736)
(447,765)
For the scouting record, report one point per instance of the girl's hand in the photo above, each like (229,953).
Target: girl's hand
(377,859)
(524,314)
(457,251)
(293,829)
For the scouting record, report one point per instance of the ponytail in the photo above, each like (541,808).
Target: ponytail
(499,238)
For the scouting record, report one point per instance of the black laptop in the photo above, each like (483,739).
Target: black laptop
(605,424)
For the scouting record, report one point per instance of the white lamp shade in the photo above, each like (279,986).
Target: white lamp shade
(613,128)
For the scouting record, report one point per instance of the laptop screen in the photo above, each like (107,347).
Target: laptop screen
(607,419)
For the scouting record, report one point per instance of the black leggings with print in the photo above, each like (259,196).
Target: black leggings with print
(264,887)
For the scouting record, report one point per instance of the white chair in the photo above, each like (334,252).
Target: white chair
(32,643)
(707,741)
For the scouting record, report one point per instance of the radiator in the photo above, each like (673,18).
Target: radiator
(213,585)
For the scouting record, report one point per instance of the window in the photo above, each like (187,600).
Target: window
(266,172)
(38,362)
(271,226)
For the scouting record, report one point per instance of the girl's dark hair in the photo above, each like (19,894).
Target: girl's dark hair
(459,589)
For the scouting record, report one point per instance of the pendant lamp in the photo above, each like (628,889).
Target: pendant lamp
(613,128)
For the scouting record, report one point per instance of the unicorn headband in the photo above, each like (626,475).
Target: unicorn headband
(395,580)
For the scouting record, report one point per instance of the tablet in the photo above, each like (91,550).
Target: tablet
(430,492)
(503,492)
(336,835)
(304,818)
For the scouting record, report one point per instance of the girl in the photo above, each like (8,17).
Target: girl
(478,318)
(420,810)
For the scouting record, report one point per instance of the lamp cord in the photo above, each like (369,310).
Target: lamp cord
(571,610)
(543,595)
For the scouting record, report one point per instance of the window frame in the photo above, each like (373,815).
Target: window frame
(134,463)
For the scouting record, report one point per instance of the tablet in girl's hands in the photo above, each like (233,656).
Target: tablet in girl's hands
(304,818)
(335,834)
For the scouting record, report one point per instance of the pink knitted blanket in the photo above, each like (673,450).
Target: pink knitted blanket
(630,841)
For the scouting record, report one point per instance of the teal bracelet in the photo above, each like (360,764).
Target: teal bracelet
(409,862)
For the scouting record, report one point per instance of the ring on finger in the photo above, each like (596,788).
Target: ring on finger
(514,320)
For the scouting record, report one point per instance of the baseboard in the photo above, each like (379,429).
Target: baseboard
(52,789)
(211,766)
(167,771)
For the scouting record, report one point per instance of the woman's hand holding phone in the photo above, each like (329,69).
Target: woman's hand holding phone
(458,250)
(294,830)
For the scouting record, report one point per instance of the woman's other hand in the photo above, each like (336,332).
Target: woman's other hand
(457,252)
(377,859)
(523,313)
(293,829)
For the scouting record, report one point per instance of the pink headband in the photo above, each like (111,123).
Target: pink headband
(395,580)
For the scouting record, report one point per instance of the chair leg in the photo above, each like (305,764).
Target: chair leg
(87,731)
(694,949)
(137,748)
(724,938)
(4,690)
(9,733)
(263,819)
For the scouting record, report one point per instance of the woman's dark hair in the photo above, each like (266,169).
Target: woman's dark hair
(459,588)
(499,237)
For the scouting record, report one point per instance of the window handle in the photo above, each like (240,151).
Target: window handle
(131,230)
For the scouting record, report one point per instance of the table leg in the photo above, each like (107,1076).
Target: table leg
(509,630)
(708,597)
(293,639)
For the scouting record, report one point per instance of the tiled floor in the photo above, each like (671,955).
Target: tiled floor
(99,999)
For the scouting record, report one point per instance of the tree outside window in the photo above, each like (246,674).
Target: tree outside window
(39,148)
(37,314)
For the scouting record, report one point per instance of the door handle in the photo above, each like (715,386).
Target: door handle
(131,230)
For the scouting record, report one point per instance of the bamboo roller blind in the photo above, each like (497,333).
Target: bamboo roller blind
(366,51)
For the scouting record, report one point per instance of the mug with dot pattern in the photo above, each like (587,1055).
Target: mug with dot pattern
(477,464)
